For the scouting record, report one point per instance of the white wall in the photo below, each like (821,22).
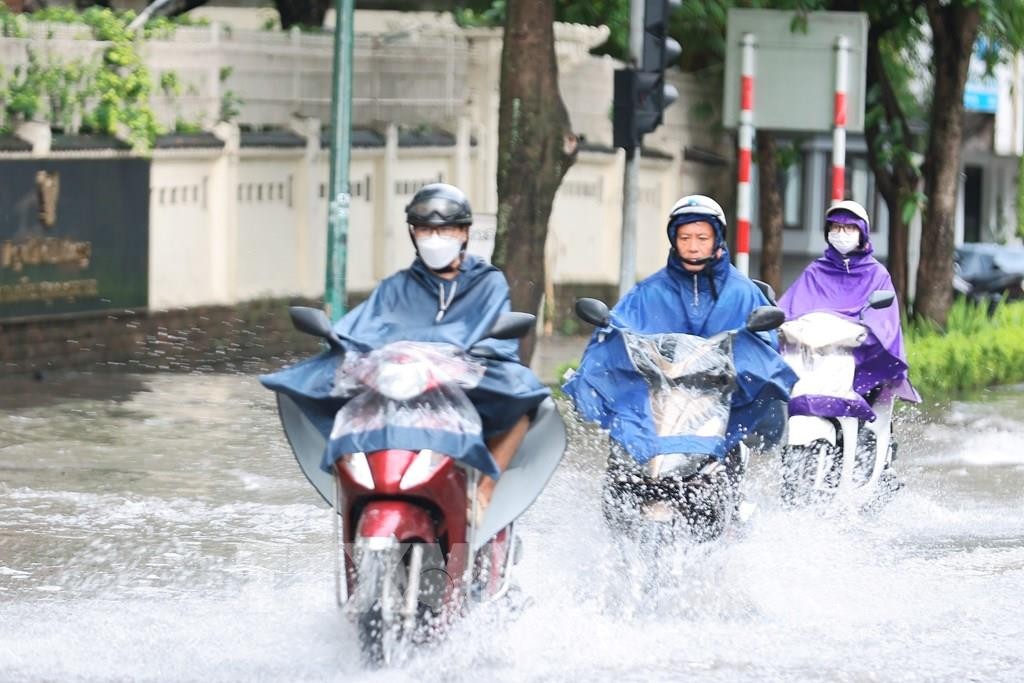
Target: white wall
(181,254)
(248,223)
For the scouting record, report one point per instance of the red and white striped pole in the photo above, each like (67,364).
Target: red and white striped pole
(746,141)
(839,120)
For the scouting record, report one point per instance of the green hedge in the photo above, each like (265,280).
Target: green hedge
(975,351)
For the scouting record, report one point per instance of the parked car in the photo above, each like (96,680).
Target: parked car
(988,273)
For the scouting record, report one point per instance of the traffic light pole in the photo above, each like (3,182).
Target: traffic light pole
(341,149)
(631,174)
(627,263)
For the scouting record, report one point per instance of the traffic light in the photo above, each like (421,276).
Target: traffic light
(659,50)
(641,95)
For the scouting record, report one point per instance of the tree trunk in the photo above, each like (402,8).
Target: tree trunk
(301,12)
(896,178)
(769,209)
(536,147)
(899,250)
(954,29)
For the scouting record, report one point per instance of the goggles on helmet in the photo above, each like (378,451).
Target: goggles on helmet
(436,211)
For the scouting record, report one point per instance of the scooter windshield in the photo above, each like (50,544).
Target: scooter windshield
(819,347)
(408,385)
(691,381)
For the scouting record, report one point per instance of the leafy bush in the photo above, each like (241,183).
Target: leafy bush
(560,375)
(975,351)
(105,95)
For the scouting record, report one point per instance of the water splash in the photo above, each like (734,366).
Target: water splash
(168,535)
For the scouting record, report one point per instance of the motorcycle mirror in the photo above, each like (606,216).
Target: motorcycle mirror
(764,318)
(512,325)
(881,299)
(767,290)
(314,322)
(593,311)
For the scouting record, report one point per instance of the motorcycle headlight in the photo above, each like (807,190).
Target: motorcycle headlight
(358,468)
(421,468)
(402,381)
(679,465)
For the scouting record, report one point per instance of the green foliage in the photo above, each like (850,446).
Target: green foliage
(570,326)
(230,102)
(162,28)
(56,15)
(911,205)
(108,95)
(975,351)
(170,84)
(12,25)
(611,13)
(22,97)
(183,126)
(790,153)
(1001,30)
(483,14)
(560,372)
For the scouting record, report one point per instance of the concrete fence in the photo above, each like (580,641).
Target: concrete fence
(240,215)
(247,219)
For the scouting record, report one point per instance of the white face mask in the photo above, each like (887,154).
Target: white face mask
(438,252)
(844,242)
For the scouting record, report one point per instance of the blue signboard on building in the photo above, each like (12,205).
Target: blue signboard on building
(981,92)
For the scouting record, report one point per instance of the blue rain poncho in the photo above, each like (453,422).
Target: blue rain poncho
(607,389)
(415,304)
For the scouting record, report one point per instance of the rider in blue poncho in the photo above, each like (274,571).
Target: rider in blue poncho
(446,295)
(698,293)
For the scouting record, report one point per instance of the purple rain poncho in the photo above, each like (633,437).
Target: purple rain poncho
(841,285)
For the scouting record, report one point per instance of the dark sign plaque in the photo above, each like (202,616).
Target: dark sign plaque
(74,236)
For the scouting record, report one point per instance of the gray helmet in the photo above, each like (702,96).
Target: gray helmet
(439,204)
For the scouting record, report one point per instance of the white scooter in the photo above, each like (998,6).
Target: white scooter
(832,448)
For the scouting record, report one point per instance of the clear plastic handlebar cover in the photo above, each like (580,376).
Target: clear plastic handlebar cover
(416,385)
(691,381)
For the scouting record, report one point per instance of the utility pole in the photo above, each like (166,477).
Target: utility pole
(341,153)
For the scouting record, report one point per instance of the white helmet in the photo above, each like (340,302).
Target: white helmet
(697,207)
(854,208)
(698,204)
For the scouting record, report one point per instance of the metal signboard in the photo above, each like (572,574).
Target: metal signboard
(794,79)
(74,236)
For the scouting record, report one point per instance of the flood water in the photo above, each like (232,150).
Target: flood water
(155,527)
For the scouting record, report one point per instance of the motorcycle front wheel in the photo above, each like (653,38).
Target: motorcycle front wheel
(809,472)
(391,618)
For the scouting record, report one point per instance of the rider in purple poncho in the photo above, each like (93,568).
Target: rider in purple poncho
(840,282)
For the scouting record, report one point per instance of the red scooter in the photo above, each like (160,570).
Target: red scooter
(411,555)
